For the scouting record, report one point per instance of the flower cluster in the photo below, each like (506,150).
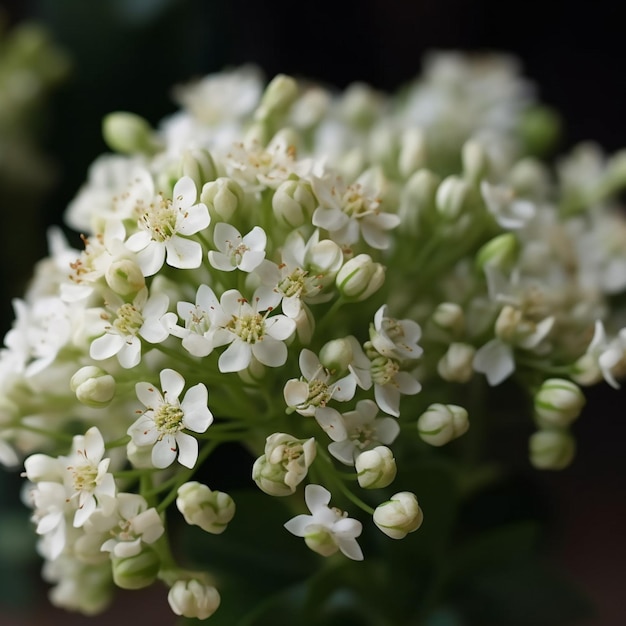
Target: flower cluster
(324,278)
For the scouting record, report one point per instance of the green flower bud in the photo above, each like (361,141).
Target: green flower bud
(551,449)
(475,162)
(452,198)
(284,465)
(449,317)
(399,516)
(500,252)
(125,277)
(223,197)
(412,155)
(211,510)
(279,95)
(93,386)
(360,277)
(198,164)
(293,203)
(336,355)
(441,423)
(457,364)
(376,468)
(193,599)
(541,127)
(128,133)
(417,202)
(529,178)
(558,403)
(136,572)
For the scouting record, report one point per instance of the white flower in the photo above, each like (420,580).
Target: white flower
(86,477)
(395,338)
(251,334)
(237,252)
(132,524)
(162,222)
(326,530)
(197,335)
(162,424)
(192,598)
(346,211)
(200,506)
(510,213)
(364,431)
(50,503)
(315,388)
(126,322)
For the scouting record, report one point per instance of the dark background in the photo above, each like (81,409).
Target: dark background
(126,55)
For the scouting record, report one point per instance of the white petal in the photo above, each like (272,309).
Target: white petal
(106,346)
(187,449)
(495,360)
(270,352)
(316,497)
(185,192)
(183,253)
(350,547)
(299,524)
(151,258)
(130,354)
(331,422)
(295,392)
(143,432)
(388,399)
(148,395)
(236,357)
(138,241)
(280,327)
(251,260)
(164,452)
(172,384)
(221,261)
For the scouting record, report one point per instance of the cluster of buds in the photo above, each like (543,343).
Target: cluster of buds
(287,269)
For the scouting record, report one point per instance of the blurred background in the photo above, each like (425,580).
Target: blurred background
(128,54)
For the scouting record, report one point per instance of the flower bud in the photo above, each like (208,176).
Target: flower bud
(293,203)
(399,516)
(449,316)
(128,133)
(125,277)
(375,468)
(457,364)
(529,178)
(452,197)
(222,197)
(211,510)
(441,423)
(279,94)
(136,572)
(475,161)
(586,370)
(198,164)
(360,277)
(336,355)
(412,155)
(324,259)
(500,252)
(551,449)
(193,599)
(284,465)
(558,403)
(93,386)
(417,201)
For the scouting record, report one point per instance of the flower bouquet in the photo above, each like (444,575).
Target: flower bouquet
(271,377)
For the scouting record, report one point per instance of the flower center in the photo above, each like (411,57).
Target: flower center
(383,370)
(355,204)
(128,319)
(84,477)
(319,393)
(198,321)
(168,419)
(363,436)
(237,251)
(160,219)
(249,328)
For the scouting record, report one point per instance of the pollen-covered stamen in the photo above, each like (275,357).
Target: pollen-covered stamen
(319,393)
(383,370)
(249,325)
(128,319)
(85,263)
(160,219)
(168,419)
(198,321)
(84,477)
(236,250)
(357,205)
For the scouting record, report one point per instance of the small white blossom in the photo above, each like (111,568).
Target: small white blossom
(237,252)
(165,419)
(326,530)
(395,338)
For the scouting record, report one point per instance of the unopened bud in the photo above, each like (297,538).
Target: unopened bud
(375,468)
(336,355)
(558,403)
(360,277)
(449,317)
(125,277)
(417,202)
(211,510)
(193,599)
(475,161)
(500,252)
(451,198)
(441,423)
(222,197)
(198,164)
(136,572)
(400,515)
(293,203)
(278,96)
(551,449)
(456,365)
(412,152)
(93,386)
(128,133)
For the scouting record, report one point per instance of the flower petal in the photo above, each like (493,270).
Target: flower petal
(187,449)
